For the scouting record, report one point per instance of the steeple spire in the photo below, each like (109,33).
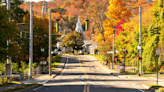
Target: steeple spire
(78,26)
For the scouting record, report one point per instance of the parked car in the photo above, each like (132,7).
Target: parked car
(161,70)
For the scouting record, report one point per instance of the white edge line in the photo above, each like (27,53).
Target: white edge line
(138,89)
(45,81)
(63,70)
(37,88)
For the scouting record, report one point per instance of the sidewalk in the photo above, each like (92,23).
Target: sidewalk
(106,69)
(39,79)
(45,77)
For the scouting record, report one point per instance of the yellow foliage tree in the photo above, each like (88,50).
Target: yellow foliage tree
(117,11)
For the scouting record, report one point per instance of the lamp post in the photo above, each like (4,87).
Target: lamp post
(157,53)
(113,47)
(124,50)
(117,55)
(117,66)
(42,50)
(75,49)
(140,59)
(109,52)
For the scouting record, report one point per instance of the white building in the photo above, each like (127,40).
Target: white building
(79,27)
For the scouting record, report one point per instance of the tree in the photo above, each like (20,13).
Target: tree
(62,11)
(8,31)
(40,32)
(95,13)
(117,11)
(73,40)
(17,13)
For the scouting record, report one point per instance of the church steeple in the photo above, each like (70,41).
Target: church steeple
(78,26)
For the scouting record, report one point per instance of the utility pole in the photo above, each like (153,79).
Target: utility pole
(31,42)
(8,7)
(43,9)
(163,3)
(140,42)
(50,42)
(8,58)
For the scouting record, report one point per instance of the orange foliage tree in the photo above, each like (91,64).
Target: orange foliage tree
(117,11)
(95,12)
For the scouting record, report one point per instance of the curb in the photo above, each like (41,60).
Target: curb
(29,88)
(61,69)
(145,86)
(149,88)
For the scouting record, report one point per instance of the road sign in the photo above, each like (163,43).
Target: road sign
(109,52)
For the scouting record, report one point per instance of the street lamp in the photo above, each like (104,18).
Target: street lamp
(139,47)
(42,50)
(117,66)
(42,62)
(113,46)
(117,55)
(75,49)
(157,53)
(124,50)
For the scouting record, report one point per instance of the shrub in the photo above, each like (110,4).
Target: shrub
(23,66)
(2,68)
(15,66)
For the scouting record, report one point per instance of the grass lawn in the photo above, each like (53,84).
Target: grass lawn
(55,65)
(158,87)
(6,84)
(151,75)
(18,88)
(56,62)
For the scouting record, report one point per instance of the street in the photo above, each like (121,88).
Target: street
(82,75)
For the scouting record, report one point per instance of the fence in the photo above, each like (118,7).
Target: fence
(22,75)
(35,72)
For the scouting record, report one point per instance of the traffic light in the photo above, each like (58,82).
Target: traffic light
(86,24)
(26,35)
(21,33)
(152,32)
(156,31)
(163,16)
(57,27)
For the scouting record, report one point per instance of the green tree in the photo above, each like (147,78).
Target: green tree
(8,31)
(73,40)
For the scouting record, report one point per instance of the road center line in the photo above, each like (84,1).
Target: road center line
(83,69)
(84,88)
(88,88)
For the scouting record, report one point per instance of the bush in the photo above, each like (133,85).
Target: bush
(34,65)
(2,68)
(15,66)
(162,69)
(56,58)
(24,66)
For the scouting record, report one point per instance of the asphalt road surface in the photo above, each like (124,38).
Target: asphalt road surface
(81,75)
